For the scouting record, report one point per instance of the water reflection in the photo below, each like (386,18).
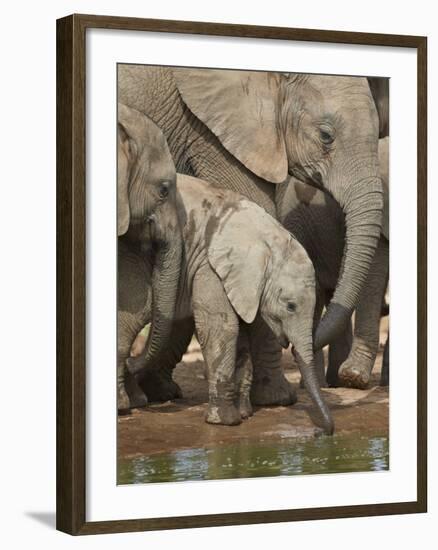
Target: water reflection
(247,459)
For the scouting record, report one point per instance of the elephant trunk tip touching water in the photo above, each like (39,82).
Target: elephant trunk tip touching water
(303,352)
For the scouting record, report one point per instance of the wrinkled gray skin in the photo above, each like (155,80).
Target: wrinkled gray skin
(355,371)
(246,130)
(148,235)
(318,223)
(149,261)
(365,343)
(240,266)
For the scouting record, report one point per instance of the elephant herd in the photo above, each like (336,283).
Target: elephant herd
(252,212)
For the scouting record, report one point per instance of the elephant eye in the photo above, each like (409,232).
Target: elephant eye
(326,136)
(164,189)
(291,307)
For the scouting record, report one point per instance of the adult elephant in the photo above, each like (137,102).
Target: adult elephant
(247,130)
(316,220)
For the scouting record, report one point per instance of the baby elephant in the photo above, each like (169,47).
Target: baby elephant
(239,262)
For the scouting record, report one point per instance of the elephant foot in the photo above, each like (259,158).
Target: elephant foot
(138,401)
(123,402)
(272,390)
(353,376)
(245,407)
(137,398)
(158,385)
(223,413)
(332,379)
(384,376)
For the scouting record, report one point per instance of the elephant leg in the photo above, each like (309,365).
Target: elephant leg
(269,386)
(319,355)
(320,368)
(355,372)
(156,381)
(384,377)
(339,350)
(244,373)
(129,394)
(217,328)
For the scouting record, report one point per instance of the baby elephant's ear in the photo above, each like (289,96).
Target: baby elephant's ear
(239,255)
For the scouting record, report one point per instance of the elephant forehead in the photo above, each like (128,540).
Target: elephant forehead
(300,289)
(160,166)
(335,85)
(298,268)
(332,98)
(294,262)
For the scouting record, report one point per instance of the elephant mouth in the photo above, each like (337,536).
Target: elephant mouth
(315,180)
(284,342)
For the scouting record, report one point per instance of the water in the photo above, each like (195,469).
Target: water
(322,455)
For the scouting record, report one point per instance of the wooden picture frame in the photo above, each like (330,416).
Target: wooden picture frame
(71,272)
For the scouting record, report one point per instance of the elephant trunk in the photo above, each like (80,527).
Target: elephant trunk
(165,284)
(306,364)
(362,205)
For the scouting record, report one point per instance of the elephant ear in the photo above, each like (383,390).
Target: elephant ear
(123,163)
(239,255)
(380,91)
(241,109)
(133,129)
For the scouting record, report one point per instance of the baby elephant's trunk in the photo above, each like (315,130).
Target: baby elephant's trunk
(304,357)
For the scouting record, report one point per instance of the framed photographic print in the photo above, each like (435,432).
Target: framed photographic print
(225,279)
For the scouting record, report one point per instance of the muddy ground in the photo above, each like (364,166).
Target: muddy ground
(164,427)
